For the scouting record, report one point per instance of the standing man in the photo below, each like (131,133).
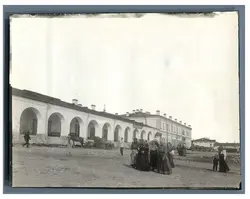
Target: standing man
(27,139)
(121,146)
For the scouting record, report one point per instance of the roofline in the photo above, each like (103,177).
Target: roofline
(227,143)
(203,140)
(52,101)
(153,115)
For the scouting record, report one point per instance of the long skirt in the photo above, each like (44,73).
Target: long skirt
(163,164)
(133,157)
(223,166)
(153,159)
(171,160)
(142,162)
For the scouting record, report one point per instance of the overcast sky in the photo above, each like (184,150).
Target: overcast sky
(186,67)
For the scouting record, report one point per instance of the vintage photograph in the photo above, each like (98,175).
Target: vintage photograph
(129,100)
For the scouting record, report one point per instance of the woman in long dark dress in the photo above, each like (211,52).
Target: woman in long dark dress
(223,166)
(153,155)
(163,164)
(142,162)
(134,151)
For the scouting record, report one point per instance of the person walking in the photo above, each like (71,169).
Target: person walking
(121,146)
(27,139)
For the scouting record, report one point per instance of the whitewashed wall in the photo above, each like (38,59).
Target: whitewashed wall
(44,111)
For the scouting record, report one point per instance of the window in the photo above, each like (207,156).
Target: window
(167,128)
(172,128)
(163,126)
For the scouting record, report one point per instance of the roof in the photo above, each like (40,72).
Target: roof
(226,144)
(143,114)
(55,101)
(204,140)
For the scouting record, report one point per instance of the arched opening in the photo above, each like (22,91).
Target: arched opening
(117,133)
(105,130)
(92,129)
(127,130)
(143,135)
(29,121)
(54,125)
(158,135)
(75,126)
(135,133)
(149,136)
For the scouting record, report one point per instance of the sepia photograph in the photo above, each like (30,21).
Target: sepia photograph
(125,100)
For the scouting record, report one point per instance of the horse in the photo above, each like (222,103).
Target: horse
(72,138)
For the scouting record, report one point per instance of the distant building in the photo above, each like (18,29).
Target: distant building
(228,146)
(204,142)
(175,131)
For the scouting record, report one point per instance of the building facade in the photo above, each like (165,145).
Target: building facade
(204,142)
(175,131)
(228,146)
(50,120)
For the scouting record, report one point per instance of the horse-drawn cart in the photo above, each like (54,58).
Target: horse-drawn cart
(73,139)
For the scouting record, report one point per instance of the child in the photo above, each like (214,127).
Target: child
(215,162)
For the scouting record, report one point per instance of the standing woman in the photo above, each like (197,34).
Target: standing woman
(153,154)
(223,167)
(163,164)
(170,154)
(142,163)
(134,151)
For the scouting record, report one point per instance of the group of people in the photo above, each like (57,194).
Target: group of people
(220,159)
(152,156)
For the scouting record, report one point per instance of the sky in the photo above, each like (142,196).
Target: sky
(184,66)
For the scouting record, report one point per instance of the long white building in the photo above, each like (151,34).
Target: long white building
(174,130)
(50,120)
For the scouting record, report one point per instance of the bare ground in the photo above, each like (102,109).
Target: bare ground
(66,167)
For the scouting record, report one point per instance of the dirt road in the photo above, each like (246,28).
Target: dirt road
(64,167)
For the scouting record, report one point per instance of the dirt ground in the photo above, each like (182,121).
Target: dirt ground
(67,167)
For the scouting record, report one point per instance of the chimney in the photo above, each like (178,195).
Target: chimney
(185,124)
(165,115)
(93,107)
(141,110)
(74,101)
(133,111)
(170,117)
(116,113)
(158,112)
(181,122)
(137,110)
(127,114)
(189,126)
(104,108)
(175,119)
